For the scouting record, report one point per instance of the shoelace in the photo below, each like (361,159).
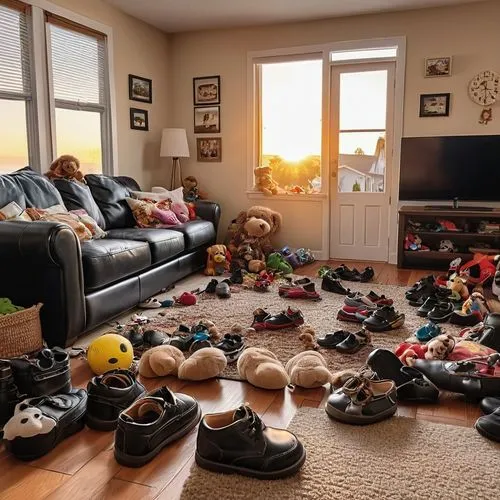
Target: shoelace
(254,422)
(357,388)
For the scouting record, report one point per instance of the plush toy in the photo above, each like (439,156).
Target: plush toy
(218,260)
(262,369)
(439,347)
(27,421)
(203,364)
(413,242)
(308,369)
(186,299)
(479,270)
(110,352)
(162,210)
(459,290)
(447,246)
(161,361)
(190,189)
(250,256)
(65,167)
(264,181)
(7,307)
(181,211)
(308,338)
(278,263)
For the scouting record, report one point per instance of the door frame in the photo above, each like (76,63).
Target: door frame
(336,70)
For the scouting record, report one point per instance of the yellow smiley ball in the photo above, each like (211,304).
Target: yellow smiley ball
(110,352)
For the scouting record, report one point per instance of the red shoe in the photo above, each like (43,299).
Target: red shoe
(300,292)
(356,316)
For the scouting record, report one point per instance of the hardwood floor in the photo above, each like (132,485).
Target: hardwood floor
(83,467)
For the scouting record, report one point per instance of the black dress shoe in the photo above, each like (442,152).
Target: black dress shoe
(462,377)
(333,284)
(285,319)
(427,306)
(239,442)
(45,374)
(411,384)
(423,290)
(155,338)
(151,423)
(441,312)
(489,425)
(331,340)
(40,424)
(489,405)
(383,319)
(9,395)
(354,342)
(108,396)
(344,273)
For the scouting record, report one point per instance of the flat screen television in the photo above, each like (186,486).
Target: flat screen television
(443,168)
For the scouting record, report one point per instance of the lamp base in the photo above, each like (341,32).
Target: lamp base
(176,173)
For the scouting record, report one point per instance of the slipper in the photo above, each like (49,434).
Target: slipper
(150,304)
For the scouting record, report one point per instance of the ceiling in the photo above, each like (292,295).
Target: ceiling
(190,15)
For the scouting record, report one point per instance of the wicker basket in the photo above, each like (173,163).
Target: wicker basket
(20,332)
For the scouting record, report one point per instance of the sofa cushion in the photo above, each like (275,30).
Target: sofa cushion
(106,261)
(28,189)
(110,194)
(77,196)
(196,233)
(163,243)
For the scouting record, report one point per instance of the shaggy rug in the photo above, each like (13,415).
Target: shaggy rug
(400,458)
(285,343)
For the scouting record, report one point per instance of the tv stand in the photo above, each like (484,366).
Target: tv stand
(471,238)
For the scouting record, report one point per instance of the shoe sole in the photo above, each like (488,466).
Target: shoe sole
(354,350)
(486,434)
(138,461)
(264,326)
(356,420)
(442,319)
(233,469)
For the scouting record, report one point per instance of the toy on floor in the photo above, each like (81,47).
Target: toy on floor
(459,290)
(290,257)
(203,364)
(218,260)
(479,270)
(439,347)
(278,263)
(27,422)
(7,307)
(308,339)
(161,361)
(110,352)
(186,299)
(413,242)
(65,167)
(305,256)
(262,369)
(308,369)
(250,256)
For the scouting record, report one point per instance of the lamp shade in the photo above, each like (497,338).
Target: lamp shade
(174,143)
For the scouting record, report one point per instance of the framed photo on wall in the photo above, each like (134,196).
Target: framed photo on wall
(139,119)
(207,120)
(209,149)
(140,89)
(206,90)
(432,105)
(438,66)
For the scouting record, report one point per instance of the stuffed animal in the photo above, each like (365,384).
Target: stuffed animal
(262,369)
(447,246)
(308,369)
(264,181)
(439,347)
(181,211)
(479,270)
(413,242)
(7,307)
(203,364)
(278,263)
(250,256)
(459,290)
(161,361)
(218,260)
(186,299)
(27,421)
(190,189)
(308,338)
(65,167)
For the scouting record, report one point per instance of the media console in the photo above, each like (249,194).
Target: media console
(471,238)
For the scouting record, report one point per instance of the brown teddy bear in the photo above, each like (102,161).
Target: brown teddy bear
(65,167)
(264,181)
(308,339)
(251,256)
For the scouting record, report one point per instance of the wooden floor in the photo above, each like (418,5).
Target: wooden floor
(83,467)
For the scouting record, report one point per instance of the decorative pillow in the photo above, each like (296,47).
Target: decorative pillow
(12,211)
(89,223)
(175,195)
(64,218)
(150,213)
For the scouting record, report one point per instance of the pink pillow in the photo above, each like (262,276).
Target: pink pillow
(148,213)
(181,211)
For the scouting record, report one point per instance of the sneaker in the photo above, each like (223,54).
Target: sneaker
(108,396)
(232,346)
(385,318)
(285,319)
(9,395)
(40,424)
(185,341)
(354,342)
(427,306)
(331,340)
(362,400)
(371,299)
(152,423)
(155,338)
(334,285)
(355,316)
(344,273)
(307,291)
(239,442)
(134,336)
(441,312)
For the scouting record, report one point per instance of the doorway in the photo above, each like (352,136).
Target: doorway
(361,141)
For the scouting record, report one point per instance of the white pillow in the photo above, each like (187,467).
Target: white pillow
(56,209)
(12,211)
(158,194)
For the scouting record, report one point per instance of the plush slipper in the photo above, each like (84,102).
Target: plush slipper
(150,304)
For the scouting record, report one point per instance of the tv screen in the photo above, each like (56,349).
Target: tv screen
(442,168)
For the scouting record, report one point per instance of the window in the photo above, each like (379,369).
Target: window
(290,108)
(363,54)
(78,89)
(15,86)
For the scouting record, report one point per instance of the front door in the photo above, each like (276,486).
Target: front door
(361,152)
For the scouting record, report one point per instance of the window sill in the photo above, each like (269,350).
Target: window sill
(257,195)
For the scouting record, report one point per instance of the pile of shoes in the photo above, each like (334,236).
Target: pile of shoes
(342,272)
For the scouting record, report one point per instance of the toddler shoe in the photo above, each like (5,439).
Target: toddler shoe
(354,342)
(232,346)
(286,319)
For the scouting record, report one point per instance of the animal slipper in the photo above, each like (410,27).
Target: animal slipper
(150,304)
(262,369)
(308,369)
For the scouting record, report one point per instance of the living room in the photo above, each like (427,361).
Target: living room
(368,93)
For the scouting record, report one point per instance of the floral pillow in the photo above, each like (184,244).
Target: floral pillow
(12,211)
(179,206)
(89,223)
(150,213)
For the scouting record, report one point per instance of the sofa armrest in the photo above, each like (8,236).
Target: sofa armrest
(208,210)
(42,263)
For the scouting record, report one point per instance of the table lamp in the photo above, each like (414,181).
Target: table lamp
(174,144)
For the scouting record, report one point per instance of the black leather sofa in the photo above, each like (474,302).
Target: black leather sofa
(85,284)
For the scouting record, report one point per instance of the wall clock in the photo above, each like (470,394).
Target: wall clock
(484,88)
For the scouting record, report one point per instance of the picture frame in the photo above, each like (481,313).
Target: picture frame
(206,90)
(206,119)
(140,89)
(438,66)
(434,105)
(209,149)
(139,119)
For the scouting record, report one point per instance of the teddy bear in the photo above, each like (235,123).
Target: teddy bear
(65,167)
(190,189)
(262,369)
(264,181)
(459,290)
(308,369)
(250,256)
(308,338)
(439,347)
(217,260)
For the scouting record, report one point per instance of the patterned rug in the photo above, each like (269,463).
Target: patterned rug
(400,458)
(285,343)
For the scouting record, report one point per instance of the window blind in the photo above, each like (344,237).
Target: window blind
(15,41)
(78,64)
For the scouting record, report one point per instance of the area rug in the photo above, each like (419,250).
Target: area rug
(400,458)
(285,343)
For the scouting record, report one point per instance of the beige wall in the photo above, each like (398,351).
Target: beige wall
(142,50)
(469,33)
